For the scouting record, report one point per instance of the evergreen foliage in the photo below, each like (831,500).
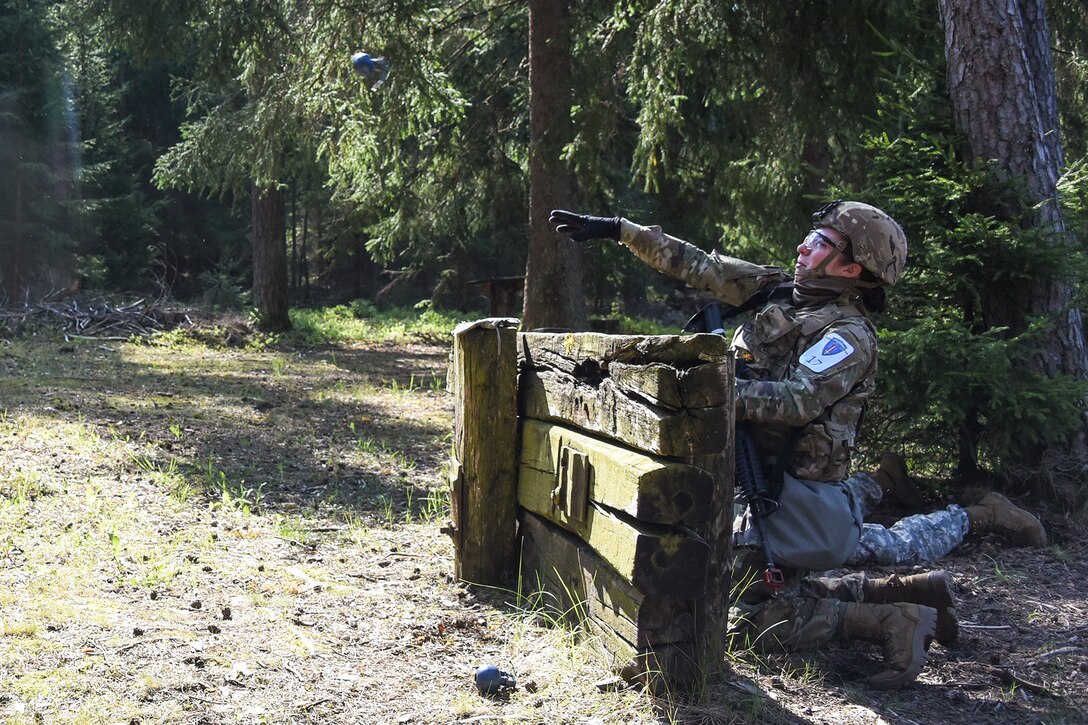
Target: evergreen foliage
(133,133)
(958,393)
(435,162)
(38,156)
(118,239)
(743,107)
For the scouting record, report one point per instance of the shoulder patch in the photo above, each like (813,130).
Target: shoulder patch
(829,351)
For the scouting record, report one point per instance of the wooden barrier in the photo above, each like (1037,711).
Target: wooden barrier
(483,472)
(624,483)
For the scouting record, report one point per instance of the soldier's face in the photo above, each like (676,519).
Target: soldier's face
(815,248)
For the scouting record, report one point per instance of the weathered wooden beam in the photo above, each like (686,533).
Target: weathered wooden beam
(575,351)
(483,472)
(649,488)
(670,396)
(645,636)
(654,558)
(662,668)
(603,407)
(713,612)
(672,387)
(583,584)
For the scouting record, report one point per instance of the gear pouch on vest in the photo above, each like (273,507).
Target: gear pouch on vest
(817,525)
(770,338)
(823,452)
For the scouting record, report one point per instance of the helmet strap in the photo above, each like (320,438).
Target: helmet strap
(819,272)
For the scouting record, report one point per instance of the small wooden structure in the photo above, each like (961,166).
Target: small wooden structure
(502,293)
(623,487)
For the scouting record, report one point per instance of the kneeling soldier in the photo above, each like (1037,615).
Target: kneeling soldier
(810,355)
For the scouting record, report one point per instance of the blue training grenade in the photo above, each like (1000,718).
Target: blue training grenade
(490,680)
(368,67)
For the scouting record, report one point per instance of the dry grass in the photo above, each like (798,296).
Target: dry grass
(206,535)
(209,535)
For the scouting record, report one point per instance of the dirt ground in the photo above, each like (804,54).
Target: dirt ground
(201,534)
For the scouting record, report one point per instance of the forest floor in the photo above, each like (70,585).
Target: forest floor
(195,533)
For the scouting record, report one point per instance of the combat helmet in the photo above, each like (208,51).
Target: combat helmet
(878,242)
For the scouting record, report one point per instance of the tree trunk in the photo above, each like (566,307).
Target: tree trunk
(270,258)
(553,272)
(294,274)
(1001,83)
(305,271)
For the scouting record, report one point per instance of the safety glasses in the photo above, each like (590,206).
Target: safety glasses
(815,238)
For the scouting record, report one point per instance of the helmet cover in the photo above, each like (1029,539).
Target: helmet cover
(878,242)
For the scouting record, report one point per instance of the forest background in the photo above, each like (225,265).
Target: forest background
(223,152)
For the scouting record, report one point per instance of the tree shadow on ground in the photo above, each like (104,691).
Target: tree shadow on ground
(359,428)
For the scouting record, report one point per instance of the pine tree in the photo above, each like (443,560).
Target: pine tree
(38,161)
(1001,83)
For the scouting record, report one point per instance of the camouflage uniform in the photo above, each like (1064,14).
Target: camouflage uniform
(810,366)
(782,392)
(911,540)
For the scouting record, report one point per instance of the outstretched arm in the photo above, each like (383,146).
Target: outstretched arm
(727,278)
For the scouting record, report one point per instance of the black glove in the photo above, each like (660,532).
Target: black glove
(582,228)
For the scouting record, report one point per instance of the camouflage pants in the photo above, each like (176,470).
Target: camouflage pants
(809,610)
(807,613)
(912,540)
(788,623)
(794,620)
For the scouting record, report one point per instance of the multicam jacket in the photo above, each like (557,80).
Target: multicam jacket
(808,367)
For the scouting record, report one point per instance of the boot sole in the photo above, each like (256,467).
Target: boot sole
(939,596)
(941,589)
(924,631)
(948,626)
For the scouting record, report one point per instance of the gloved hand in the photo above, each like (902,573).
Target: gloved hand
(582,228)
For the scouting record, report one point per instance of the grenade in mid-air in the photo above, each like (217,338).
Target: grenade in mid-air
(369,67)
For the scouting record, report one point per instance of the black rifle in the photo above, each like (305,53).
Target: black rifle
(755,492)
(750,477)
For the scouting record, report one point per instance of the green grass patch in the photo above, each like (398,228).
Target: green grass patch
(361,322)
(20,629)
(643,326)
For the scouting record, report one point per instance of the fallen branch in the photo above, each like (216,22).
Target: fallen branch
(1009,677)
(314,704)
(1058,652)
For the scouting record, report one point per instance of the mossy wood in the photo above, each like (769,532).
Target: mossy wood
(575,351)
(663,394)
(655,558)
(675,388)
(643,635)
(662,669)
(649,488)
(603,407)
(714,603)
(483,472)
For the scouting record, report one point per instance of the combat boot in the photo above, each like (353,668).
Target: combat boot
(898,487)
(902,630)
(933,589)
(1000,515)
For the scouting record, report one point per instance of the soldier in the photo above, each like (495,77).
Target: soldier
(811,360)
(920,538)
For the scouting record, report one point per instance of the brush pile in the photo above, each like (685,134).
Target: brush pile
(95,318)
